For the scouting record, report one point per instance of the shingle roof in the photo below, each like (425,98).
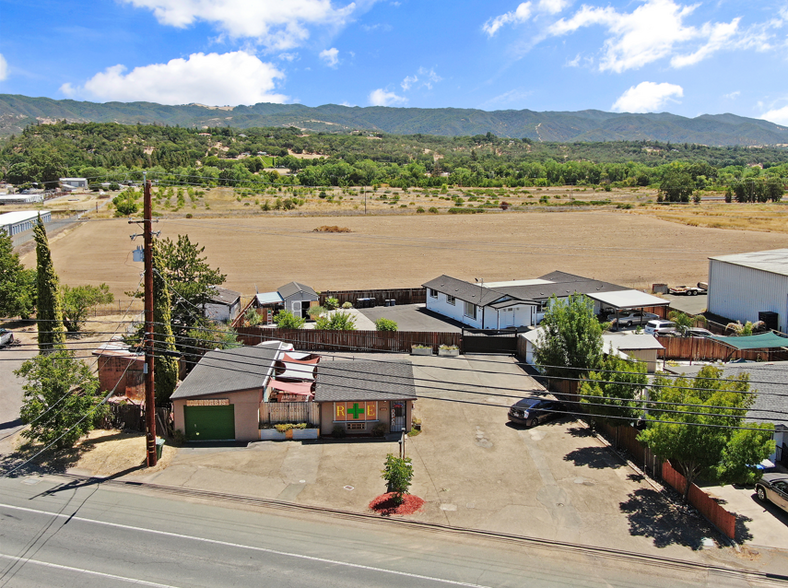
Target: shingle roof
(224,295)
(364,380)
(229,370)
(464,290)
(288,290)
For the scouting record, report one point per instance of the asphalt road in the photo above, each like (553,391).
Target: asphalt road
(55,533)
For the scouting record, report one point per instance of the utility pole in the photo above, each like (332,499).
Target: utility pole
(150,397)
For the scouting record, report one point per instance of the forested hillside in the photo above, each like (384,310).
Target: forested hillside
(228,156)
(17,112)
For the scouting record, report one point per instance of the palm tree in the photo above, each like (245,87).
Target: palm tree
(685,321)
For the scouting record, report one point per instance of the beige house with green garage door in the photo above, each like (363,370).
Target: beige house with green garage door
(362,395)
(220,399)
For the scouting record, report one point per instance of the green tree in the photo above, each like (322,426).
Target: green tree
(337,321)
(398,472)
(165,364)
(571,338)
(611,392)
(676,185)
(331,303)
(17,284)
(384,324)
(684,322)
(285,319)
(64,384)
(78,301)
(51,332)
(701,438)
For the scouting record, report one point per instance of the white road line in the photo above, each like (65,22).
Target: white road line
(47,564)
(250,547)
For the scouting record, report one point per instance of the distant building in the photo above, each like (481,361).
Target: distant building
(224,304)
(14,223)
(21,198)
(750,287)
(74,182)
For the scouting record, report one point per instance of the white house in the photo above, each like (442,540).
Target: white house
(744,286)
(516,303)
(74,182)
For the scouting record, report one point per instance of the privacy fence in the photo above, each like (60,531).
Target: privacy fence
(323,340)
(398,295)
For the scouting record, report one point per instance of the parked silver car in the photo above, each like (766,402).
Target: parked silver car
(6,337)
(627,318)
(774,488)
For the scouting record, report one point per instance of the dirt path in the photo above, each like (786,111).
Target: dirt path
(389,251)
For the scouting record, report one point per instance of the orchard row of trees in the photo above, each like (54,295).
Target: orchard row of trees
(696,423)
(114,153)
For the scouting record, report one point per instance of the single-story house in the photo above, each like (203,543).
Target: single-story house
(359,395)
(297,298)
(638,346)
(220,399)
(522,303)
(224,305)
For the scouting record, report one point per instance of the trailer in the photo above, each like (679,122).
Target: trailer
(702,288)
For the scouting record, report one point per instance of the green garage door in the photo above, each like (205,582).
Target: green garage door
(209,423)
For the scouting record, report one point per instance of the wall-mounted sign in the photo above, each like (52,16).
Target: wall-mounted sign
(355,411)
(209,402)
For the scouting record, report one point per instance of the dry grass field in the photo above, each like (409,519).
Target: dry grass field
(263,251)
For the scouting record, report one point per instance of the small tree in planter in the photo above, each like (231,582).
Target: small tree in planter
(398,473)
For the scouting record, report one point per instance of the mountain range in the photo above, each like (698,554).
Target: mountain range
(17,112)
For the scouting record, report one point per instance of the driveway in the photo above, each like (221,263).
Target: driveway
(758,523)
(11,358)
(413,317)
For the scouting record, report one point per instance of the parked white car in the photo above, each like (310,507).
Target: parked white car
(660,327)
(6,337)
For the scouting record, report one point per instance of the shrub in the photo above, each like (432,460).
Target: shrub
(331,303)
(285,427)
(455,210)
(420,209)
(398,472)
(384,324)
(315,311)
(347,305)
(252,317)
(338,321)
(285,319)
(339,432)
(379,430)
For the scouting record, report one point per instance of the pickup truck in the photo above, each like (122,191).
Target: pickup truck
(701,288)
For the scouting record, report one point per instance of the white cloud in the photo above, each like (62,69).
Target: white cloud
(521,14)
(732,95)
(381,97)
(276,24)
(213,79)
(288,56)
(330,56)
(654,30)
(647,97)
(427,77)
(777,115)
(553,6)
(3,68)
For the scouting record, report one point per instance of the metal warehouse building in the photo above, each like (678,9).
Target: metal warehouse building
(18,222)
(751,287)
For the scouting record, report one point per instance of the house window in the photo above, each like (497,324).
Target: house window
(470,310)
(450,299)
(356,426)
(433,293)
(543,305)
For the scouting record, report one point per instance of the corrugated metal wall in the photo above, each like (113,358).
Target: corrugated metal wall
(740,293)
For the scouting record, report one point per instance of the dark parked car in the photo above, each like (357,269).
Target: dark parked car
(532,411)
(774,488)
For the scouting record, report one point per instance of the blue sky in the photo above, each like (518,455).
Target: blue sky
(625,56)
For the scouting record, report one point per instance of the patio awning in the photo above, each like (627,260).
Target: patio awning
(301,358)
(267,298)
(628,299)
(297,371)
(762,341)
(297,388)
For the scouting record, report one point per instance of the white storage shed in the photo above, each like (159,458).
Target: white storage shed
(18,222)
(750,287)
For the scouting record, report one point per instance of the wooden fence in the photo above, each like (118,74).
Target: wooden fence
(289,412)
(399,295)
(705,504)
(703,348)
(321,340)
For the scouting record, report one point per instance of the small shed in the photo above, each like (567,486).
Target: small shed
(359,395)
(640,346)
(297,298)
(225,304)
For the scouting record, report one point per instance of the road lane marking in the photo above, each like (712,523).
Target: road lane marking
(250,547)
(47,564)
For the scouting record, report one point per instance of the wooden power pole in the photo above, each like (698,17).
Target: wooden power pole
(150,396)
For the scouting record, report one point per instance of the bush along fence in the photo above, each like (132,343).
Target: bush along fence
(319,340)
(625,438)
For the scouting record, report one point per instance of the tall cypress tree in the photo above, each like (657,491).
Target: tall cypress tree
(51,332)
(165,367)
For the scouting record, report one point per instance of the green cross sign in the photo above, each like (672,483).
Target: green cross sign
(355,411)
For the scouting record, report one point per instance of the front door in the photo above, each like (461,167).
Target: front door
(508,317)
(297,308)
(397,417)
